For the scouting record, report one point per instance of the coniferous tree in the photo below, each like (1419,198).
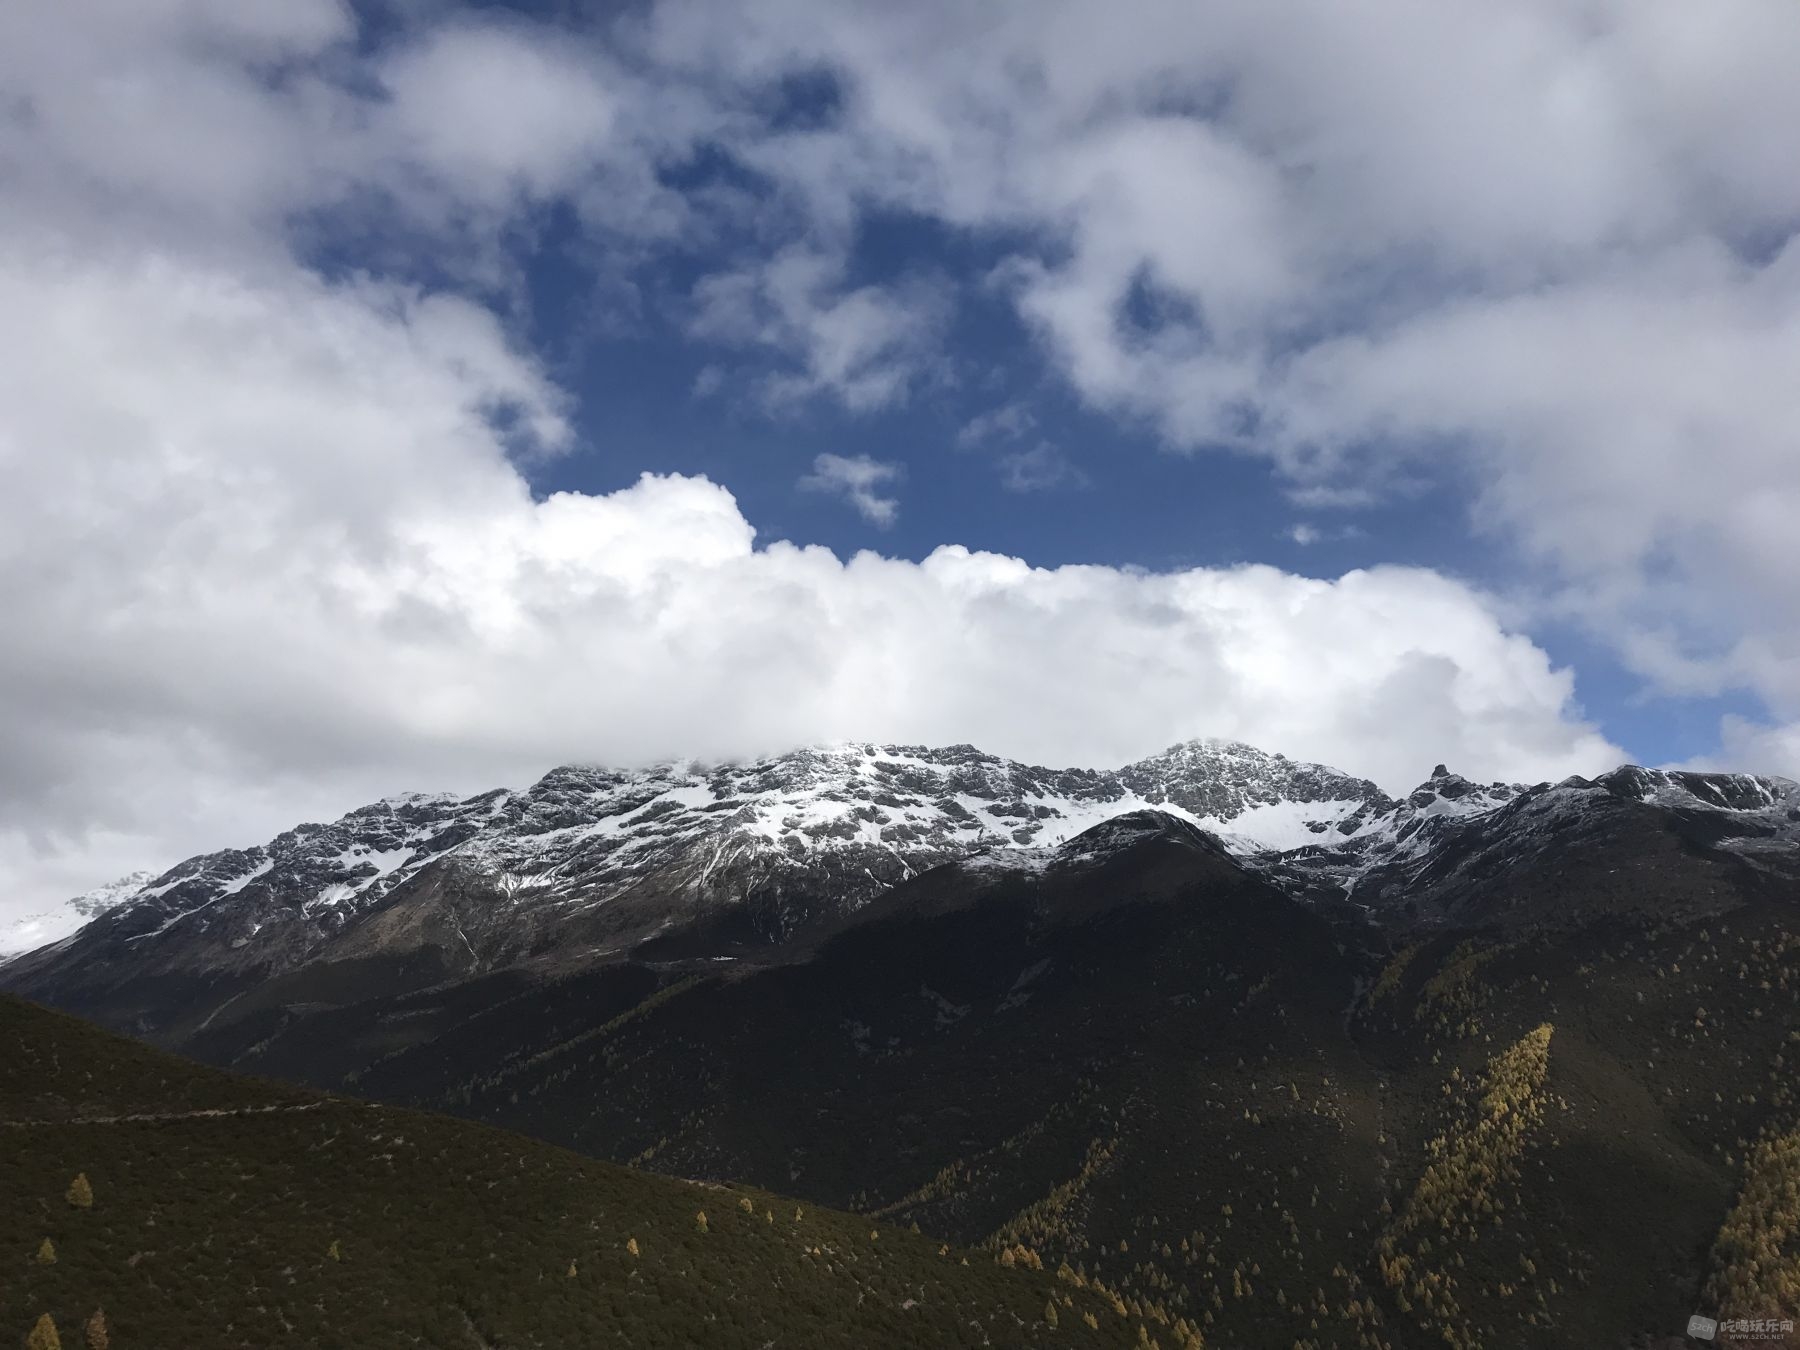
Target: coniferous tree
(97,1338)
(46,1253)
(81,1194)
(43,1336)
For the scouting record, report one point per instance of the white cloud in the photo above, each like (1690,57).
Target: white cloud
(1008,422)
(1537,253)
(157,110)
(499,110)
(858,479)
(265,552)
(269,557)
(1306,534)
(865,347)
(1637,432)
(1752,747)
(235,130)
(1039,469)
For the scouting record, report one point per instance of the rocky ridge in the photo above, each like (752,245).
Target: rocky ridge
(591,861)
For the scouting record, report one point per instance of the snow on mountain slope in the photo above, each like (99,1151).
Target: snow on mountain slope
(1454,850)
(848,820)
(828,826)
(1226,784)
(30,931)
(1770,803)
(1756,817)
(291,892)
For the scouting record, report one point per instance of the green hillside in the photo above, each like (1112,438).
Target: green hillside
(1219,1108)
(1151,1087)
(232,1212)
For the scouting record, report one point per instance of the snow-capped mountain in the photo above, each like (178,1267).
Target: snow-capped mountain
(860,817)
(1455,851)
(589,863)
(1255,801)
(25,932)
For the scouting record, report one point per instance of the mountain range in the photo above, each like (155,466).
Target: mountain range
(581,832)
(589,864)
(1249,1049)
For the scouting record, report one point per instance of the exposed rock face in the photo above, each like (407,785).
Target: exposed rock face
(1459,852)
(590,863)
(1222,781)
(785,840)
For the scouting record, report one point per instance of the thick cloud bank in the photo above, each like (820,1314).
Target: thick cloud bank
(273,555)
(1543,252)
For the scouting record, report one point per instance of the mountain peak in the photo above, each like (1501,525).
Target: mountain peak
(590,862)
(1255,798)
(1130,829)
(1217,748)
(584,834)
(1740,793)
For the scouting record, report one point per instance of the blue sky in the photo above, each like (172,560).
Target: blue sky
(421,396)
(652,399)
(1134,504)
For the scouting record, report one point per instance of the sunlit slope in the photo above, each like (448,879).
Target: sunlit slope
(228,1212)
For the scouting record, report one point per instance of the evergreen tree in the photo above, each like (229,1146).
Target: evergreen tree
(631,1246)
(43,1335)
(81,1195)
(97,1339)
(334,1251)
(46,1253)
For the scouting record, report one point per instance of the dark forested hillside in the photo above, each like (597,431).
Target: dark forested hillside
(1521,1076)
(1250,1121)
(152,1204)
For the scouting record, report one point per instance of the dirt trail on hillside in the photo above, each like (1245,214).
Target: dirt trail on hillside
(215,1113)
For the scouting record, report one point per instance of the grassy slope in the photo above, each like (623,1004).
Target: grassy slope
(218,1230)
(1671,1050)
(1174,1064)
(1524,1136)
(1101,1091)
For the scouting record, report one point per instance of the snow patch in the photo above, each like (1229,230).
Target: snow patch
(1276,827)
(262,869)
